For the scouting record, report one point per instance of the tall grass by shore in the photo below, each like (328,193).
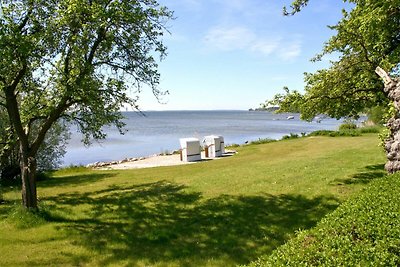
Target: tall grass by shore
(219,213)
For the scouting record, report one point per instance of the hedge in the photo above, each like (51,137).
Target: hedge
(363,231)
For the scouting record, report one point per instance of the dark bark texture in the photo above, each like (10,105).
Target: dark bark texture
(28,176)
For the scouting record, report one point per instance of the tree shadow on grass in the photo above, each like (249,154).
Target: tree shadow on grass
(6,206)
(164,222)
(69,181)
(74,180)
(369,173)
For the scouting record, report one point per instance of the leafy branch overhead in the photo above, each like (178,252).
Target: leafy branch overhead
(290,101)
(295,7)
(366,37)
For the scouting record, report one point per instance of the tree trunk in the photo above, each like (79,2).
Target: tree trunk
(392,143)
(28,176)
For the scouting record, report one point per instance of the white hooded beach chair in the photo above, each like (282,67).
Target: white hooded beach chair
(214,146)
(190,149)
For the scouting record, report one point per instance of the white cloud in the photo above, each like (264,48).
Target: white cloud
(229,39)
(242,38)
(266,47)
(290,51)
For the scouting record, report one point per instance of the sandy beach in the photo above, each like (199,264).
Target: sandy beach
(158,161)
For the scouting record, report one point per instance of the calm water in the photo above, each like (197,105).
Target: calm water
(159,131)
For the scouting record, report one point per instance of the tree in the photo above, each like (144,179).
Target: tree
(49,154)
(74,60)
(367,37)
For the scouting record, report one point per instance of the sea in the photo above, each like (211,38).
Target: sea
(155,132)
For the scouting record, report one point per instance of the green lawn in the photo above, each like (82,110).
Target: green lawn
(217,213)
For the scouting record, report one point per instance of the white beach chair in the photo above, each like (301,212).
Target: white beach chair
(214,146)
(190,149)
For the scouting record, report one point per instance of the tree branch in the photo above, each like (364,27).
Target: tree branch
(18,77)
(13,108)
(101,35)
(50,120)
(296,7)
(26,18)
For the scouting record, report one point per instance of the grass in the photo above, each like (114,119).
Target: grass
(216,213)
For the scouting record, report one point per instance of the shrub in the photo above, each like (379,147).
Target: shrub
(377,114)
(370,129)
(347,126)
(291,136)
(72,169)
(262,141)
(363,231)
(49,156)
(232,146)
(349,132)
(322,133)
(335,133)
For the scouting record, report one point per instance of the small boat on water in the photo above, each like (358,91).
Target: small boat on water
(290,118)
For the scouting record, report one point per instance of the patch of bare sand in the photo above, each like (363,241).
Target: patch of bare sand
(158,161)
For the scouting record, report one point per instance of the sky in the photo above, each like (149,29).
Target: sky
(235,54)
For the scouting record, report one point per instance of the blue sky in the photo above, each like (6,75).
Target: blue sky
(235,54)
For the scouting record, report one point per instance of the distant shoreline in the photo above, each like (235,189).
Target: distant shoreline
(270,109)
